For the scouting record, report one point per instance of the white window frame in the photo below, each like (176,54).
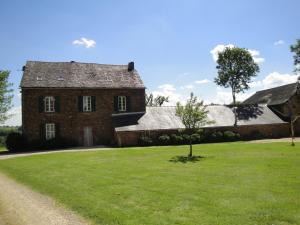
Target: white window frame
(86,103)
(49,104)
(50,131)
(122,107)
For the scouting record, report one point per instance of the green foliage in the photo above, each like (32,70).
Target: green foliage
(164,139)
(296,50)
(157,101)
(145,141)
(5,130)
(15,142)
(5,95)
(233,184)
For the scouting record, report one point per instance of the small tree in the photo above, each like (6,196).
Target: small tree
(5,95)
(193,115)
(296,49)
(235,67)
(157,101)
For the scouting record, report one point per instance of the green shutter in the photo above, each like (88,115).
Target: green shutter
(57,104)
(41,105)
(93,101)
(128,104)
(57,131)
(116,103)
(80,104)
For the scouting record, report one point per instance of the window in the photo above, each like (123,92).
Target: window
(50,131)
(87,103)
(122,103)
(49,104)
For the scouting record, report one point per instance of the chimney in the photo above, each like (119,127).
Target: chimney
(23,68)
(130,66)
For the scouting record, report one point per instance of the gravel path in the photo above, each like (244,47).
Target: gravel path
(21,206)
(297,139)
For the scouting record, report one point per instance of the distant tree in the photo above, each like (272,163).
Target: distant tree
(235,68)
(157,101)
(5,95)
(296,50)
(193,115)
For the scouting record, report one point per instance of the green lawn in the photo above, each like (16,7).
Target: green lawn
(234,183)
(3,149)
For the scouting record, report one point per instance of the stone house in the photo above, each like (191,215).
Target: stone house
(78,101)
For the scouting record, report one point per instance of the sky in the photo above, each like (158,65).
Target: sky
(174,44)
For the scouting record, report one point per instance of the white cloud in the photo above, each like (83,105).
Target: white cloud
(167,87)
(204,81)
(16,117)
(88,43)
(168,90)
(189,86)
(279,42)
(225,97)
(274,79)
(220,48)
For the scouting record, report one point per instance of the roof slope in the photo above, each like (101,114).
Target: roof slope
(161,118)
(273,96)
(79,75)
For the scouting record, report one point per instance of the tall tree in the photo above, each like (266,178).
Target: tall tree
(296,50)
(157,101)
(235,68)
(193,115)
(5,95)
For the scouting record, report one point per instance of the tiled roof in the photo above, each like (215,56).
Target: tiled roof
(78,75)
(273,96)
(164,118)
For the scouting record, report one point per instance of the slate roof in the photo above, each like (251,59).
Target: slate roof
(273,96)
(164,118)
(79,75)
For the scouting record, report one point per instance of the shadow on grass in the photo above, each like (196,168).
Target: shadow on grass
(186,159)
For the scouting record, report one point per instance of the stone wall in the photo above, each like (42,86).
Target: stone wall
(130,138)
(71,121)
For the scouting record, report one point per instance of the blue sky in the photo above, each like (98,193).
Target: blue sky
(170,41)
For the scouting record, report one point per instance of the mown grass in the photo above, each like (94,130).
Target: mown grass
(231,183)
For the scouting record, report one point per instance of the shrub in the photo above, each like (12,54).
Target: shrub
(216,136)
(186,138)
(145,141)
(15,142)
(229,136)
(176,139)
(196,138)
(164,139)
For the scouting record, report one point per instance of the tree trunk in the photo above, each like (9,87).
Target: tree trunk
(191,147)
(292,131)
(234,108)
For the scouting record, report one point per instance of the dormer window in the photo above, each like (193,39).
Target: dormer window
(49,103)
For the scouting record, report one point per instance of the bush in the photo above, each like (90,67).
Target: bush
(145,141)
(229,136)
(176,139)
(15,142)
(196,138)
(216,136)
(164,139)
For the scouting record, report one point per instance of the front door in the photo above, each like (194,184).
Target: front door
(87,136)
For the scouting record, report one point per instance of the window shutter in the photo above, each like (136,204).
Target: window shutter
(128,104)
(57,130)
(42,132)
(80,103)
(41,104)
(93,101)
(116,103)
(57,104)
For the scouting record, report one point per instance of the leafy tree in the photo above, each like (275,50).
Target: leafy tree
(235,68)
(5,95)
(193,115)
(157,101)
(296,49)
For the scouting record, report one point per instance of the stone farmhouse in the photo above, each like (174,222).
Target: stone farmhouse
(92,104)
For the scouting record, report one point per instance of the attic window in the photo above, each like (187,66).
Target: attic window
(60,78)
(39,78)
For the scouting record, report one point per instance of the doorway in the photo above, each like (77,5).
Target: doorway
(87,136)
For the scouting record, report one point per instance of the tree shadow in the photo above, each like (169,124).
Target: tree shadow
(186,159)
(246,112)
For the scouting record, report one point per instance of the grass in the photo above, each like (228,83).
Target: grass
(3,149)
(231,183)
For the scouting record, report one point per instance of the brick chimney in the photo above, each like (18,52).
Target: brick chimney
(130,66)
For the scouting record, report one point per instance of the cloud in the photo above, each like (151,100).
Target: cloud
(204,81)
(225,97)
(88,43)
(170,91)
(220,48)
(279,42)
(16,117)
(274,79)
(189,86)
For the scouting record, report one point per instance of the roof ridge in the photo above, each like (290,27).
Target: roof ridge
(102,64)
(276,87)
